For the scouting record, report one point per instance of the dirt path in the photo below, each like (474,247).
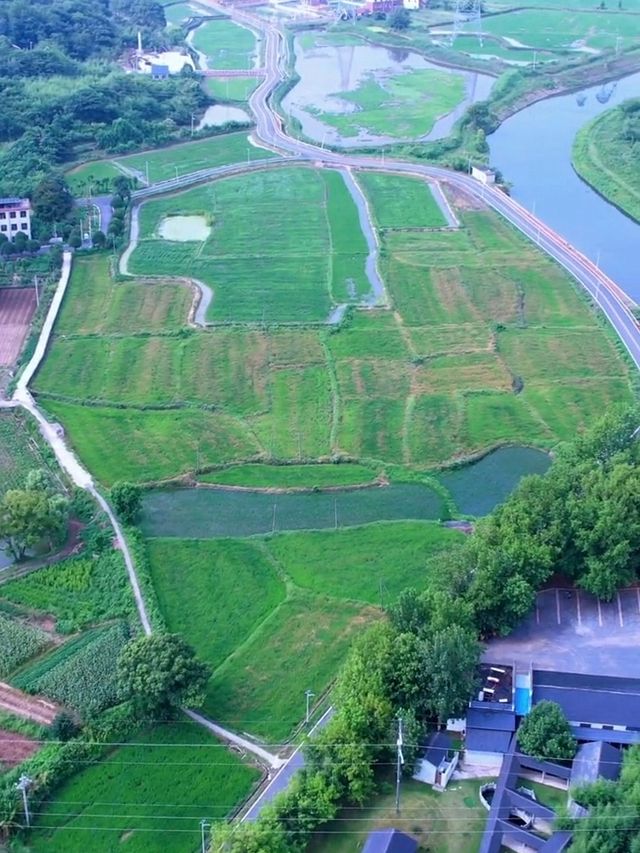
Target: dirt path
(28,707)
(15,748)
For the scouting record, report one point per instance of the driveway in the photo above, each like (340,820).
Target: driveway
(572,631)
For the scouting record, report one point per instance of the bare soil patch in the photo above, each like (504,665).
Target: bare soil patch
(17,305)
(15,748)
(28,707)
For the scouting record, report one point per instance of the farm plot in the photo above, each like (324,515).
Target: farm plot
(226,44)
(401,201)
(19,453)
(230,88)
(18,643)
(165,780)
(563,29)
(274,254)
(17,306)
(256,691)
(291,476)
(15,748)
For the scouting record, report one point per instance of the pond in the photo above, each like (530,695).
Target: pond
(532,149)
(184,229)
(211,512)
(478,488)
(396,94)
(221,114)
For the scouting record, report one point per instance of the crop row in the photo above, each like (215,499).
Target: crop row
(18,643)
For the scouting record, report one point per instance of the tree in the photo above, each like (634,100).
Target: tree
(52,199)
(400,19)
(99,239)
(127,501)
(452,658)
(409,614)
(545,733)
(160,673)
(27,517)
(64,727)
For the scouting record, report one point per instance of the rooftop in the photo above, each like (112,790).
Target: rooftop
(437,747)
(606,700)
(12,201)
(389,841)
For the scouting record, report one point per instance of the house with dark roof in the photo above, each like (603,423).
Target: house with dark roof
(159,72)
(598,707)
(436,761)
(389,841)
(488,734)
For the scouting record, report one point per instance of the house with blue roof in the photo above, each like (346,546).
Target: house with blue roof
(389,841)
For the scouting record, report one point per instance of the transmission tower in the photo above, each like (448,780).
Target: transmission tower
(467,12)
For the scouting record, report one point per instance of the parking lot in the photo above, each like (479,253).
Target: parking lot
(571,630)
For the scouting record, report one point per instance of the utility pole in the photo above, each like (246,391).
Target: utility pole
(399,763)
(146,166)
(23,785)
(35,284)
(204,826)
(308,695)
(192,118)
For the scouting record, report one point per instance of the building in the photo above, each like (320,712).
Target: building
(594,760)
(436,763)
(412,5)
(15,217)
(159,72)
(491,718)
(389,841)
(484,175)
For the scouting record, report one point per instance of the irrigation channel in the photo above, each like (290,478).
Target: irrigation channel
(533,151)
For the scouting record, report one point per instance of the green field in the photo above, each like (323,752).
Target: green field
(291,476)
(449,822)
(162,163)
(226,44)
(405,106)
(482,346)
(563,29)
(284,245)
(230,88)
(147,797)
(19,453)
(372,564)
(401,201)
(605,156)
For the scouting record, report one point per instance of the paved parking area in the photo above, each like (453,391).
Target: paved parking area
(571,630)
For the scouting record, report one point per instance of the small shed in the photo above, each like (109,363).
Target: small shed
(483,174)
(159,72)
(437,761)
(389,841)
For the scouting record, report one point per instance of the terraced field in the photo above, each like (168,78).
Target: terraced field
(483,345)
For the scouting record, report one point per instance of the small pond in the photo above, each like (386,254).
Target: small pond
(184,229)
(221,114)
(326,70)
(211,512)
(478,488)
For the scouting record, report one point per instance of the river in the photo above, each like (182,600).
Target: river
(532,149)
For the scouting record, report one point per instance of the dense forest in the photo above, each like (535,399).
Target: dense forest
(64,95)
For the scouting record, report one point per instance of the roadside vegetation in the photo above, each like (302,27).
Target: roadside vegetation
(605,156)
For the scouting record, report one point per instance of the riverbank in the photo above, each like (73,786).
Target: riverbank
(605,158)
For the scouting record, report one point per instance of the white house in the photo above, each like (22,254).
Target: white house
(438,761)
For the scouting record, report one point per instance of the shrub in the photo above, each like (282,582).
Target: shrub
(545,733)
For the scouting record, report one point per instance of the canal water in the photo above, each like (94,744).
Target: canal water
(532,149)
(325,70)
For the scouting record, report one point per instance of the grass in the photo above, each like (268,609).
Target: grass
(213,592)
(163,782)
(214,513)
(563,29)
(230,88)
(162,162)
(553,798)
(405,106)
(291,476)
(226,44)
(274,254)
(372,564)
(261,688)
(19,453)
(448,822)
(95,304)
(401,201)
(607,160)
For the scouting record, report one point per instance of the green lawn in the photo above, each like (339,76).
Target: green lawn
(230,88)
(371,564)
(261,688)
(282,243)
(548,795)
(147,797)
(92,178)
(550,28)
(401,201)
(291,476)
(448,822)
(604,157)
(226,44)
(404,107)
(214,592)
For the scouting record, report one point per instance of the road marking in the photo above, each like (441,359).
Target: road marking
(620,611)
(558,605)
(599,613)
(579,612)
